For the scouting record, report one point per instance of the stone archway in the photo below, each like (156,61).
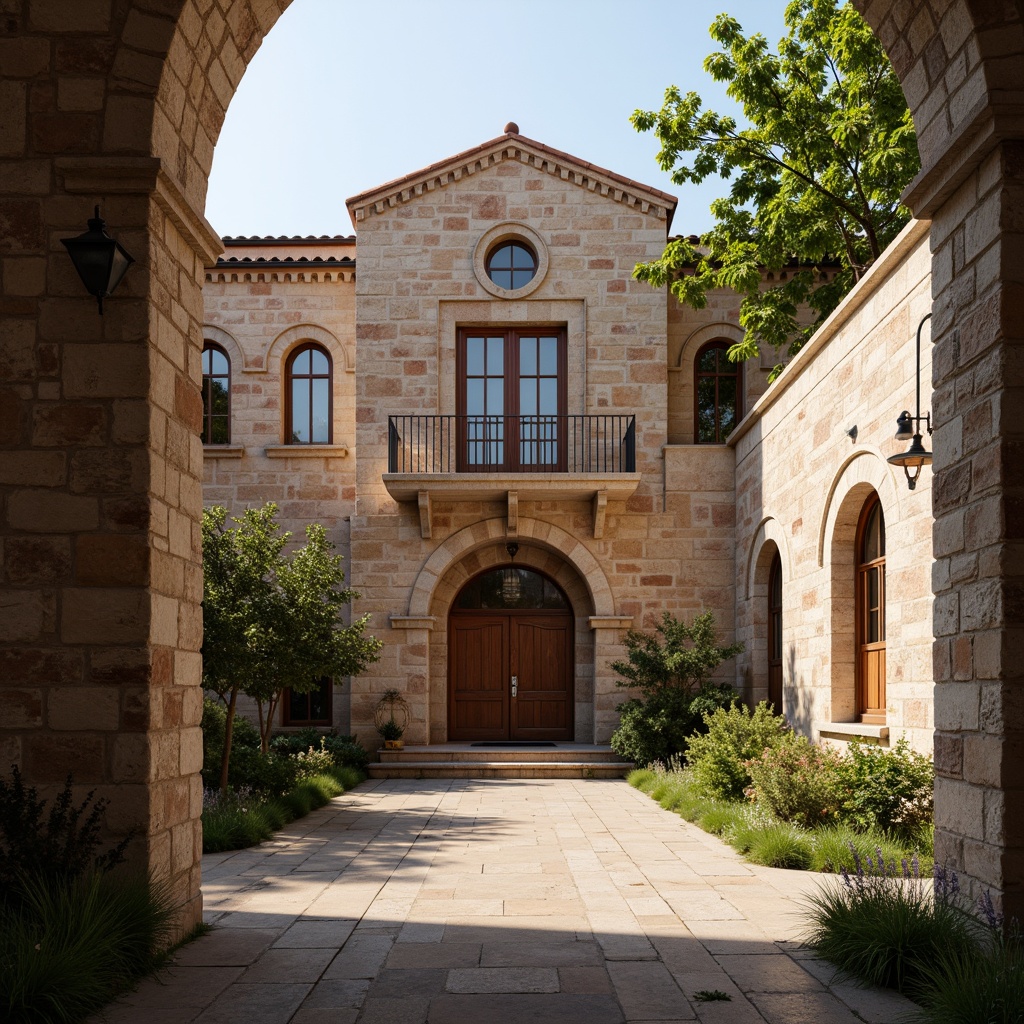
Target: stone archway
(100,419)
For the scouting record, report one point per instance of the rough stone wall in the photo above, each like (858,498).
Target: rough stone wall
(801,482)
(416,284)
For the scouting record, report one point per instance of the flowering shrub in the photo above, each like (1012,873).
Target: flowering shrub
(314,761)
(797,781)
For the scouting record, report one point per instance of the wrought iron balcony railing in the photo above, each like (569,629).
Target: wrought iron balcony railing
(513,444)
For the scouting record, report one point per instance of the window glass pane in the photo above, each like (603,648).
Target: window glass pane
(706,425)
(474,397)
(301,363)
(549,356)
(219,430)
(881,531)
(522,258)
(528,357)
(709,360)
(300,412)
(298,707)
(320,363)
(501,259)
(521,278)
(548,396)
(207,354)
(475,356)
(218,362)
(502,278)
(528,397)
(510,587)
(319,702)
(726,406)
(496,357)
(495,395)
(321,408)
(869,551)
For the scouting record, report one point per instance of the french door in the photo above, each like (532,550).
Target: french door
(511,390)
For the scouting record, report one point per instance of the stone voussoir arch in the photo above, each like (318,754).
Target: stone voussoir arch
(769,531)
(867,466)
(720,331)
(493,531)
(277,351)
(226,340)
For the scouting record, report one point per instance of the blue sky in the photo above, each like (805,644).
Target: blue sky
(347,94)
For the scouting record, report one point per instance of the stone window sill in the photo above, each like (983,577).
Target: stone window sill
(306,451)
(855,731)
(223,451)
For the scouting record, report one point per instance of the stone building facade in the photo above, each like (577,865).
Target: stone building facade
(609,491)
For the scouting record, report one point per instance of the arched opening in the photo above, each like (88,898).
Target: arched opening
(774,652)
(510,658)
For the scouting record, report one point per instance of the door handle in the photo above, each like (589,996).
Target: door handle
(515,685)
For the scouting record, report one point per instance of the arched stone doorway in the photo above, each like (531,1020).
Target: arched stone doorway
(100,419)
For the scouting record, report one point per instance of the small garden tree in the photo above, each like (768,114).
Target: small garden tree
(273,621)
(672,668)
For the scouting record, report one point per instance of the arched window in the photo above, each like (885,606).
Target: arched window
(308,396)
(216,395)
(775,634)
(511,265)
(870,625)
(717,394)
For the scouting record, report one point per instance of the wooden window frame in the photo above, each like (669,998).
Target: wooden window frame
(698,374)
(286,701)
(875,716)
(289,376)
(511,439)
(212,346)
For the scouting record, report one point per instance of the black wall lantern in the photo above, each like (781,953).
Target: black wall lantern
(101,261)
(908,428)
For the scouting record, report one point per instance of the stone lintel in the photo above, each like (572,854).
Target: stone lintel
(145,175)
(412,621)
(600,509)
(616,622)
(855,731)
(426,515)
(512,529)
(223,451)
(306,451)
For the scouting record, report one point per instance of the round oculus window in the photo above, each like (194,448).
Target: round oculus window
(511,265)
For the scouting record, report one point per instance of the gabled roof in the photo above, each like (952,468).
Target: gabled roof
(513,146)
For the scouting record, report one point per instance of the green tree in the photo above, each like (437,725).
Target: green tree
(273,620)
(672,668)
(816,177)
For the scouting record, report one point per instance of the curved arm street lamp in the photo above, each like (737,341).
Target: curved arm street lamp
(908,428)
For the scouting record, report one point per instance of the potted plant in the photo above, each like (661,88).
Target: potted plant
(391,717)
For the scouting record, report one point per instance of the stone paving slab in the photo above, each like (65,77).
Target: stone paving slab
(442,901)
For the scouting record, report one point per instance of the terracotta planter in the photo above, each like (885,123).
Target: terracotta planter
(393,744)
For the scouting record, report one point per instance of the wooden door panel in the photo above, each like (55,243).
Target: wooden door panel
(541,653)
(478,678)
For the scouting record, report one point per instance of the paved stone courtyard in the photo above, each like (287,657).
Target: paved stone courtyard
(501,901)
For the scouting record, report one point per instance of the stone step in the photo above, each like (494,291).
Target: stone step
(499,769)
(569,752)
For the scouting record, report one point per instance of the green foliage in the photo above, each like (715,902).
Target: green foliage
(346,751)
(887,790)
(781,845)
(711,995)
(314,761)
(69,946)
(55,846)
(659,728)
(816,177)
(987,988)
(390,730)
(797,781)
(838,846)
(735,735)
(889,930)
(273,620)
(675,656)
(234,820)
(672,668)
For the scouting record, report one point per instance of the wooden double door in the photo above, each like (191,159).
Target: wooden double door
(510,675)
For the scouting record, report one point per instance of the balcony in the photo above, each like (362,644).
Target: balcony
(490,458)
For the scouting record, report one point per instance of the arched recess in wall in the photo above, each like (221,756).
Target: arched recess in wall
(278,349)
(769,541)
(543,547)
(864,473)
(681,378)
